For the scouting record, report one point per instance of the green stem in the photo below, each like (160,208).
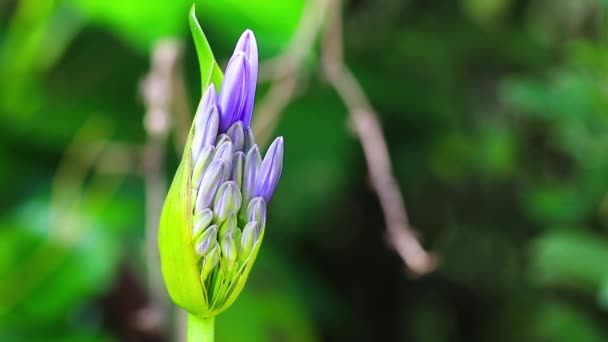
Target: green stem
(200,329)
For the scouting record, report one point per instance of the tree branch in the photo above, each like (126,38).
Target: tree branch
(367,127)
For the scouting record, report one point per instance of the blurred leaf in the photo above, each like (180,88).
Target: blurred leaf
(273,21)
(559,322)
(572,259)
(47,280)
(557,203)
(140,23)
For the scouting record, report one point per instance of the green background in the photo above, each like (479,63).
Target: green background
(494,113)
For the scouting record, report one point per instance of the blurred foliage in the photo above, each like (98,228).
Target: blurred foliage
(495,116)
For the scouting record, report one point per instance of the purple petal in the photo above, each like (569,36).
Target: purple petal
(248,45)
(233,91)
(267,179)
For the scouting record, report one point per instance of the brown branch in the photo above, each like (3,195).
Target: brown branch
(367,127)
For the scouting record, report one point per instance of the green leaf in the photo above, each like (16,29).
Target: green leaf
(210,71)
(570,259)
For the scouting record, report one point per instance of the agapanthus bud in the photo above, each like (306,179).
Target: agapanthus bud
(209,99)
(237,135)
(221,183)
(249,139)
(221,138)
(205,241)
(202,220)
(205,134)
(253,161)
(210,260)
(248,46)
(229,250)
(249,237)
(204,160)
(227,201)
(224,152)
(267,179)
(229,224)
(209,185)
(238,165)
(234,90)
(256,211)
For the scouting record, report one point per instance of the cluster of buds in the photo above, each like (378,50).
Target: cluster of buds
(226,184)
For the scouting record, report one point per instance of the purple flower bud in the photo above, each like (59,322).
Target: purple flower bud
(249,139)
(203,161)
(210,261)
(221,138)
(238,163)
(253,160)
(249,238)
(229,249)
(209,99)
(202,220)
(224,152)
(267,179)
(209,185)
(229,224)
(205,241)
(227,201)
(256,211)
(233,91)
(237,135)
(248,45)
(205,131)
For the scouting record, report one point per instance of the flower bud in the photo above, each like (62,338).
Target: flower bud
(224,152)
(204,159)
(238,163)
(229,224)
(229,251)
(237,135)
(206,124)
(221,138)
(210,261)
(267,179)
(227,201)
(205,241)
(253,160)
(256,211)
(221,183)
(249,139)
(209,185)
(249,237)
(248,45)
(205,134)
(202,220)
(234,90)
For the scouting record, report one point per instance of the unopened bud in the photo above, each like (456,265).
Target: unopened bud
(237,135)
(249,238)
(227,201)
(205,241)
(203,161)
(201,220)
(209,185)
(210,261)
(256,211)
(238,164)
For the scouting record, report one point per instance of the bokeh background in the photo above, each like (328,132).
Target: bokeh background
(494,112)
